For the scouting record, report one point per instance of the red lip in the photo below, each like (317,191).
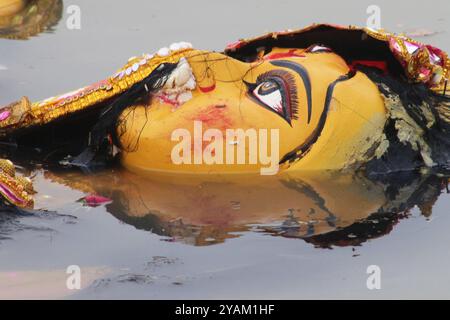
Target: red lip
(207,89)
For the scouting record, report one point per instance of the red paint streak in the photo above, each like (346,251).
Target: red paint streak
(235,45)
(164,98)
(207,89)
(213,117)
(290,54)
(381,65)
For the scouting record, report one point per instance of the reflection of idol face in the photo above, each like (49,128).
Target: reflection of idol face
(293,204)
(319,107)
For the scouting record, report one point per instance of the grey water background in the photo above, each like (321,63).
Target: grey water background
(130,263)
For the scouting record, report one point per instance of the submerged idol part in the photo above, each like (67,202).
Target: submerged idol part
(341,99)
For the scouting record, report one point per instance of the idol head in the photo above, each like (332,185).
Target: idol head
(289,108)
(321,98)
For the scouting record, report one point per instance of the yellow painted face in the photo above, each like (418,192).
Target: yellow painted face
(10,7)
(300,108)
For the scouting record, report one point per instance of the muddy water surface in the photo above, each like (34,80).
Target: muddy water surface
(293,236)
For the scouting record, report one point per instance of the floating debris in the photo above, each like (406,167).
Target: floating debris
(94,200)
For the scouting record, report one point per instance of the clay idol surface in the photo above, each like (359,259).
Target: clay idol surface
(320,98)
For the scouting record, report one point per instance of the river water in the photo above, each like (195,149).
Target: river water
(156,237)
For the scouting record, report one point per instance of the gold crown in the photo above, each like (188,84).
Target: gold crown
(8,167)
(26,183)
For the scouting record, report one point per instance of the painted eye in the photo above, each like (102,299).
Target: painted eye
(269,93)
(276,91)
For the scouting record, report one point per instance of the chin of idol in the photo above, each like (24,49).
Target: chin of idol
(291,109)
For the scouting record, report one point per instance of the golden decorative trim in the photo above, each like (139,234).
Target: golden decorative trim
(24,114)
(16,190)
(406,59)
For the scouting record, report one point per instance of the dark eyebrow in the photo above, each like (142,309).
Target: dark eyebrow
(303,73)
(303,149)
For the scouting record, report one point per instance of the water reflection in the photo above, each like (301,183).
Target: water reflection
(323,209)
(21,19)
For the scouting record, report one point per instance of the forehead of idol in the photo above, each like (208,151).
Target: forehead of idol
(212,68)
(209,63)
